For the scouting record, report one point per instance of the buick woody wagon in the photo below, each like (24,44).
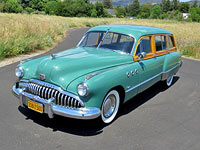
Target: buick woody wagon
(110,65)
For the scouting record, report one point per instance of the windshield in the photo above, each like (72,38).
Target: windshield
(108,40)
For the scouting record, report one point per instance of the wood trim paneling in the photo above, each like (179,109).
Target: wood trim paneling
(155,53)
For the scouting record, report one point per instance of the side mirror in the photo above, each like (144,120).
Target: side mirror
(141,55)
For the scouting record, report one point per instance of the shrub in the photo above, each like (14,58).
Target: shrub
(164,16)
(11,6)
(176,15)
(195,14)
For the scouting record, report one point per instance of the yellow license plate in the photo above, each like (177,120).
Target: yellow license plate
(35,106)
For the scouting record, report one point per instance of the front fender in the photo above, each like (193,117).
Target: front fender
(30,67)
(100,84)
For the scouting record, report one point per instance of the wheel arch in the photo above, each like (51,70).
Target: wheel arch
(121,92)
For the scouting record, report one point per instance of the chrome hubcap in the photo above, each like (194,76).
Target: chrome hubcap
(109,106)
(169,80)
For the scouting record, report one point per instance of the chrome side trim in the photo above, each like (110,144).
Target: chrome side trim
(50,108)
(143,82)
(163,77)
(105,70)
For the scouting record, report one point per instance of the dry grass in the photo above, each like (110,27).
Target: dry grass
(26,33)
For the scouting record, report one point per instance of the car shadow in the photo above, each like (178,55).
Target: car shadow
(145,96)
(91,127)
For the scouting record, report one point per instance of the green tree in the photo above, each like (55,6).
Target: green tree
(176,15)
(34,4)
(81,8)
(107,4)
(145,11)
(11,6)
(106,14)
(175,4)
(134,8)
(184,7)
(94,13)
(195,3)
(164,16)
(155,12)
(100,9)
(165,6)
(58,8)
(120,11)
(195,14)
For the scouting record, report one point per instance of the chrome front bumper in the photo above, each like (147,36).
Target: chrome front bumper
(50,108)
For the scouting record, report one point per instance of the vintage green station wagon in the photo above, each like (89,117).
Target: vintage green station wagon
(110,65)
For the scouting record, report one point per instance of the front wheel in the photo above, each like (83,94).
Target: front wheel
(110,106)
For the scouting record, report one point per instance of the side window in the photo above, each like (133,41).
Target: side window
(144,46)
(164,42)
(118,42)
(170,43)
(161,42)
(92,40)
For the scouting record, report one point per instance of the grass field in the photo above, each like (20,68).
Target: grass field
(22,33)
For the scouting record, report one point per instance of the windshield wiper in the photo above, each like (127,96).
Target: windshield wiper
(103,38)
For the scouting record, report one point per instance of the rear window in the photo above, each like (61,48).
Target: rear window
(170,42)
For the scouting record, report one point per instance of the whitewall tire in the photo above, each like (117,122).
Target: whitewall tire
(169,80)
(110,106)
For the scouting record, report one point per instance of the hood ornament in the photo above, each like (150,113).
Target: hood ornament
(42,77)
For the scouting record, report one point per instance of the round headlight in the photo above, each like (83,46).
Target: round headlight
(19,72)
(82,89)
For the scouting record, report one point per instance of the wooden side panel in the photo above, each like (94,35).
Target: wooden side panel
(155,53)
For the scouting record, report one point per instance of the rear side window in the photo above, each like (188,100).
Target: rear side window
(170,43)
(161,42)
(144,46)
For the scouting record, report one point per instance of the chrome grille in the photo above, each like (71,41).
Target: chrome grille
(47,92)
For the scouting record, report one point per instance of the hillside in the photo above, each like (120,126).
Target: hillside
(126,2)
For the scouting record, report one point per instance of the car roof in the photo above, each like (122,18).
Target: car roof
(133,30)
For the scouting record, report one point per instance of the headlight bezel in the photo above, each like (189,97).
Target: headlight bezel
(19,71)
(82,86)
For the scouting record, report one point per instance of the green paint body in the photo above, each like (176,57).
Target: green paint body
(71,67)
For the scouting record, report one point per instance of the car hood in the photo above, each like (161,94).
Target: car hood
(62,68)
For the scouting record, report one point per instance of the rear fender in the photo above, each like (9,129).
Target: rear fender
(171,64)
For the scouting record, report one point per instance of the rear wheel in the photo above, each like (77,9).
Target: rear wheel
(110,106)
(169,80)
